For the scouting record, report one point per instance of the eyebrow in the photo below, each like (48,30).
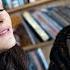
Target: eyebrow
(1,9)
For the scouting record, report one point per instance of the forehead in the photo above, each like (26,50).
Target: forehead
(1,6)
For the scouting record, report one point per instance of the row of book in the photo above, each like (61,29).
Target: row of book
(47,22)
(36,57)
(8,4)
(42,25)
(23,34)
(37,60)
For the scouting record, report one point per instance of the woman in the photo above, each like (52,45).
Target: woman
(60,53)
(12,57)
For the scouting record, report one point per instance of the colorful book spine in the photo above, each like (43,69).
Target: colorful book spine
(60,17)
(42,59)
(30,32)
(44,36)
(31,63)
(38,17)
(57,18)
(52,22)
(55,15)
(36,60)
(65,13)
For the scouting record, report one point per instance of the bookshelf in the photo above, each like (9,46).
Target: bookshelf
(40,45)
(29,6)
(37,5)
(46,46)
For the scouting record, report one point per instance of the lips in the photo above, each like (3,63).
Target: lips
(4,31)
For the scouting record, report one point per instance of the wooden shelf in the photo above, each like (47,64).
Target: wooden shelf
(38,4)
(28,6)
(40,45)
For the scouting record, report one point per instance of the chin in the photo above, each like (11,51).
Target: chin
(11,42)
(7,42)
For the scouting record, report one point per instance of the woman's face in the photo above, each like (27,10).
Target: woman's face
(7,39)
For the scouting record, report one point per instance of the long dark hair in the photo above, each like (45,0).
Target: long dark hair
(13,59)
(59,56)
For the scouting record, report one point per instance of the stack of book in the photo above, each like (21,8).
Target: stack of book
(47,22)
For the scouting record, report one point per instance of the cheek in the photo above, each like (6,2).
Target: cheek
(7,19)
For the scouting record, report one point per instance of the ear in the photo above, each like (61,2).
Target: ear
(1,5)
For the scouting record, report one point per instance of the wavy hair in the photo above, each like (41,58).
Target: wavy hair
(60,56)
(13,59)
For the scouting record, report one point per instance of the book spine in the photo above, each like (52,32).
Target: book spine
(31,64)
(42,58)
(60,17)
(52,12)
(52,22)
(65,13)
(44,24)
(57,18)
(29,32)
(53,15)
(35,59)
(44,36)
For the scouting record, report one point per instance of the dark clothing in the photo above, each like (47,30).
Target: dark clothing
(14,59)
(60,53)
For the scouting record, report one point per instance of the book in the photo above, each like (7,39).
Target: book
(38,17)
(60,17)
(42,59)
(53,13)
(31,63)
(49,12)
(65,13)
(30,32)
(44,36)
(36,60)
(52,22)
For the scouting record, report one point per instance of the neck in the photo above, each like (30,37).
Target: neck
(3,50)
